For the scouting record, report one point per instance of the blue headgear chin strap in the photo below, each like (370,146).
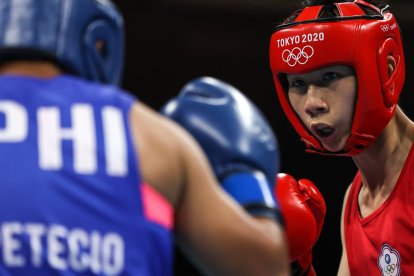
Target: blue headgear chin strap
(84,37)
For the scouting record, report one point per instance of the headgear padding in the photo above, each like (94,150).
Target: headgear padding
(361,36)
(67,32)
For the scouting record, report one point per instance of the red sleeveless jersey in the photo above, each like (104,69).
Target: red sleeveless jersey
(383,242)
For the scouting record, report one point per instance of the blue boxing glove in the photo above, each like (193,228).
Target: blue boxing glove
(236,138)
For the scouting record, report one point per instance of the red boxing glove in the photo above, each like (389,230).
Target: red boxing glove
(303,209)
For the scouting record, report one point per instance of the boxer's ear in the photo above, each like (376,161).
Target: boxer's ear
(389,68)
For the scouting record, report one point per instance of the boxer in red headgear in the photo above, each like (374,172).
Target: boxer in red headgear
(339,69)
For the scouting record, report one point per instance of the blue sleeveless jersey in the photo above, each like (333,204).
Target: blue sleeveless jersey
(71,201)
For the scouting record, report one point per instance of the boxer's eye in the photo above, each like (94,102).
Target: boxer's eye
(297,83)
(330,76)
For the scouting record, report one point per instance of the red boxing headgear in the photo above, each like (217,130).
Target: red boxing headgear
(361,36)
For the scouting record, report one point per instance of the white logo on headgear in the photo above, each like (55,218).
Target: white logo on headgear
(297,55)
(389,261)
(385,28)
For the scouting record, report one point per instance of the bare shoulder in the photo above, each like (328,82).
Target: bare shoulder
(347,194)
(151,127)
(343,269)
(159,146)
(345,200)
(343,214)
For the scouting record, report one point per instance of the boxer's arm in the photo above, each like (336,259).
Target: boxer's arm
(343,266)
(222,233)
(212,227)
(159,161)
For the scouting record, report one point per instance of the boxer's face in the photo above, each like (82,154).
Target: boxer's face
(324,100)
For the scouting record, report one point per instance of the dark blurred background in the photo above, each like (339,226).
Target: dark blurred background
(170,42)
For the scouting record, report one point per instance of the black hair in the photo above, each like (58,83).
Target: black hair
(330,11)
(12,54)
(307,3)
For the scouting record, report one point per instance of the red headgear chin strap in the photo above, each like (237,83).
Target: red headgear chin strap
(354,38)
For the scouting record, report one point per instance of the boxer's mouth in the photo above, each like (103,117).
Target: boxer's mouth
(322,130)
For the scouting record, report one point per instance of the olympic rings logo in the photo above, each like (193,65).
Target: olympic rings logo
(297,55)
(389,269)
(385,28)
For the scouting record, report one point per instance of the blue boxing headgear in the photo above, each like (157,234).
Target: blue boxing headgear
(84,37)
